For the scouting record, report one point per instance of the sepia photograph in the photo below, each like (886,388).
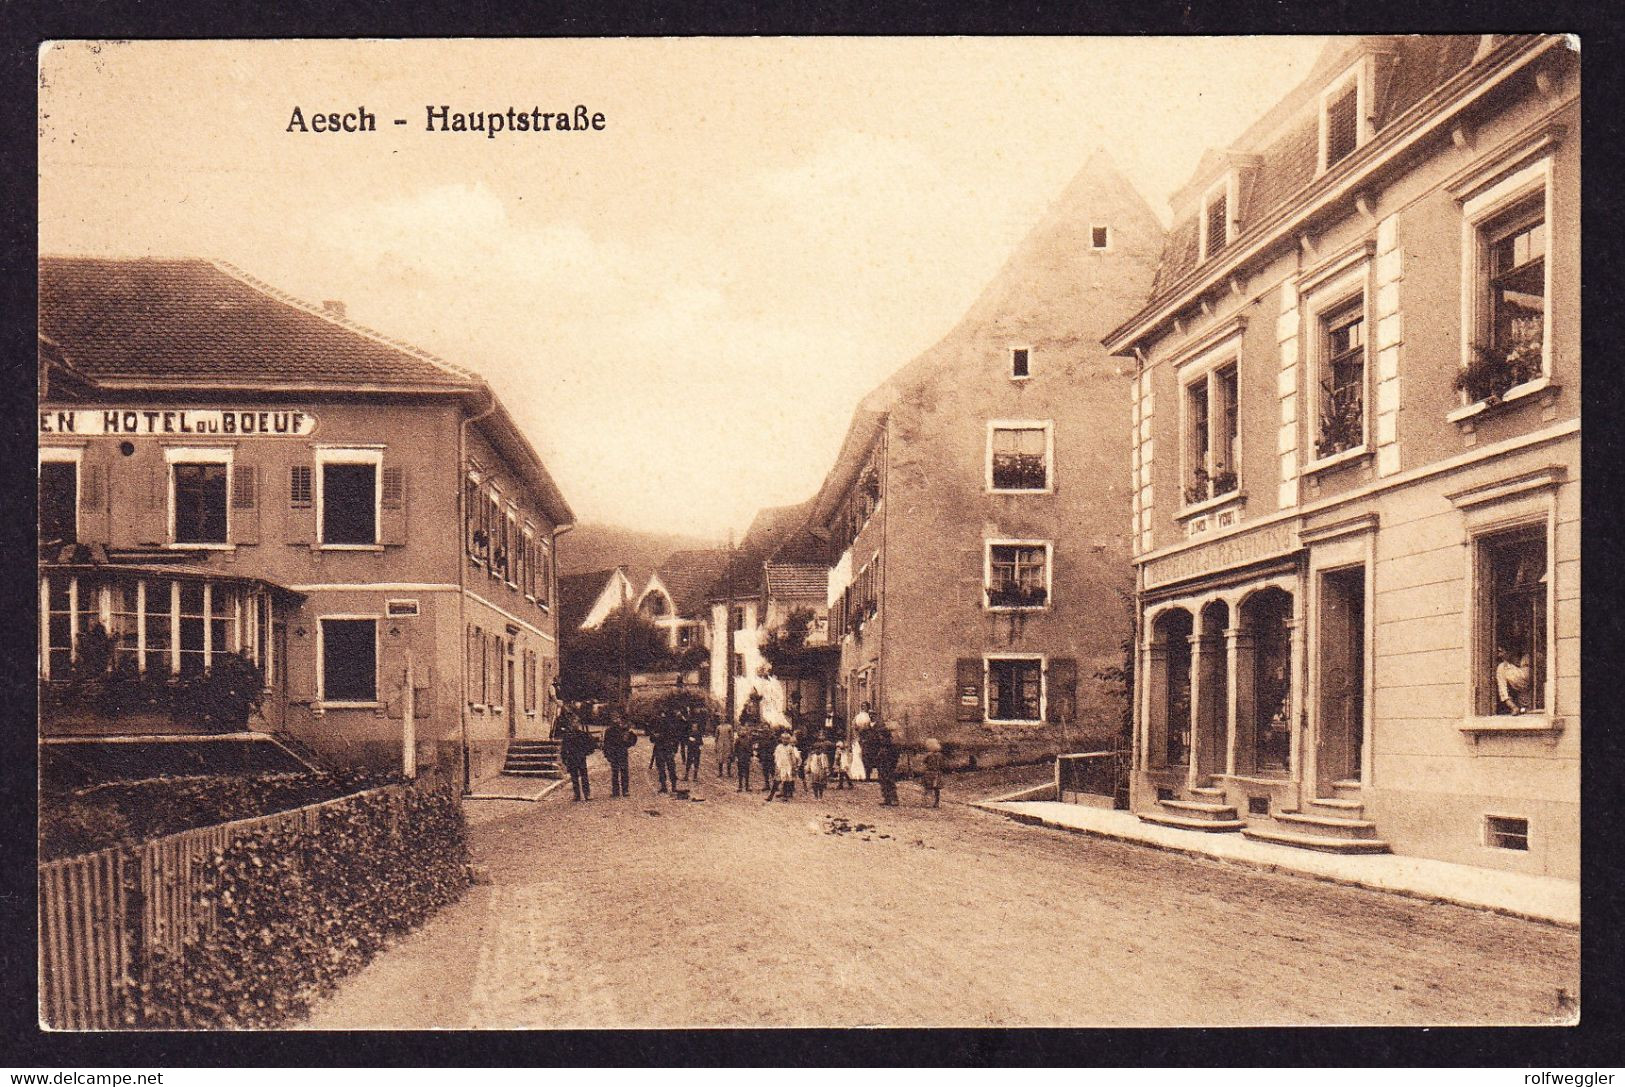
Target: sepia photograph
(809,532)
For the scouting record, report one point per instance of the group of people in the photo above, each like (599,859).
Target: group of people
(786,755)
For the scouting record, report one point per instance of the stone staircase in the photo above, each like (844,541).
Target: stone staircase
(1208,812)
(533,759)
(1333,824)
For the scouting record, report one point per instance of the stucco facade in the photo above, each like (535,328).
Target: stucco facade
(1359,626)
(974,520)
(337,554)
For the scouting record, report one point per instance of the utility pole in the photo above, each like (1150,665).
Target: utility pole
(728,625)
(626,673)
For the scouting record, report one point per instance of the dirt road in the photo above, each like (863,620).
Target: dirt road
(651,912)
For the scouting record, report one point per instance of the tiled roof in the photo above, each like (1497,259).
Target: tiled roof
(1286,164)
(690,577)
(199,322)
(797,579)
(576,595)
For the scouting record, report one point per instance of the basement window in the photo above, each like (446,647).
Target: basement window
(1506,832)
(1258,805)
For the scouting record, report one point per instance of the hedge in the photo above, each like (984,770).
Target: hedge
(100,816)
(298,909)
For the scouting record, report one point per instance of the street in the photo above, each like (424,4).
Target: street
(654,912)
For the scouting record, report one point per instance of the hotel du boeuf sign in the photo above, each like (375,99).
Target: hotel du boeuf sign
(148,422)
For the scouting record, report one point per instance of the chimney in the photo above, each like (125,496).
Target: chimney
(333,306)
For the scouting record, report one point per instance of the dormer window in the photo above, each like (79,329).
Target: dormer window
(1214,233)
(1343,107)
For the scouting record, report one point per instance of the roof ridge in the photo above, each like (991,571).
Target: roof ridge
(344,322)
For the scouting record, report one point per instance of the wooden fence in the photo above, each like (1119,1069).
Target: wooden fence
(96,924)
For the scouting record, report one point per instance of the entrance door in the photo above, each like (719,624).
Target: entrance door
(508,699)
(1342,677)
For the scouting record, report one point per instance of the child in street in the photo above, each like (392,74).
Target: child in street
(931,771)
(786,765)
(817,767)
(843,765)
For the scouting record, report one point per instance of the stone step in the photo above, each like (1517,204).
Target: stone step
(1348,790)
(1326,825)
(1200,809)
(532,773)
(1338,806)
(1315,841)
(532,746)
(1210,793)
(1179,822)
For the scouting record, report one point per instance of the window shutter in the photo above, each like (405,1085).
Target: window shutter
(155,519)
(299,521)
(94,523)
(299,663)
(968,690)
(392,532)
(1063,690)
(245,501)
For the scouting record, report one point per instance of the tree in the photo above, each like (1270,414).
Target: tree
(592,668)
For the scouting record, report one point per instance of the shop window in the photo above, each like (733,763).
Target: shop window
(198,492)
(349,660)
(1015,688)
(1213,434)
(349,497)
(1018,457)
(1341,388)
(1513,587)
(1017,575)
(58,501)
(1506,832)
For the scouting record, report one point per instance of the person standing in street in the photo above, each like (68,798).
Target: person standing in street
(665,735)
(765,744)
(817,765)
(574,748)
(931,772)
(725,749)
(744,746)
(618,742)
(786,766)
(843,765)
(883,756)
(695,734)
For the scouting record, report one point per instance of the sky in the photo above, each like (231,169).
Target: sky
(682,309)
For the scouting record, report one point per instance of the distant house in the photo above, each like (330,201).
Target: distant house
(676,598)
(739,606)
(586,600)
(973,524)
(227,472)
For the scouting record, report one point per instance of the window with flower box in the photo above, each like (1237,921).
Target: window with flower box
(1019,455)
(1340,392)
(1213,434)
(1506,342)
(1017,574)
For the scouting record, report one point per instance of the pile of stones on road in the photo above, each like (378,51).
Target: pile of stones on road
(839,824)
